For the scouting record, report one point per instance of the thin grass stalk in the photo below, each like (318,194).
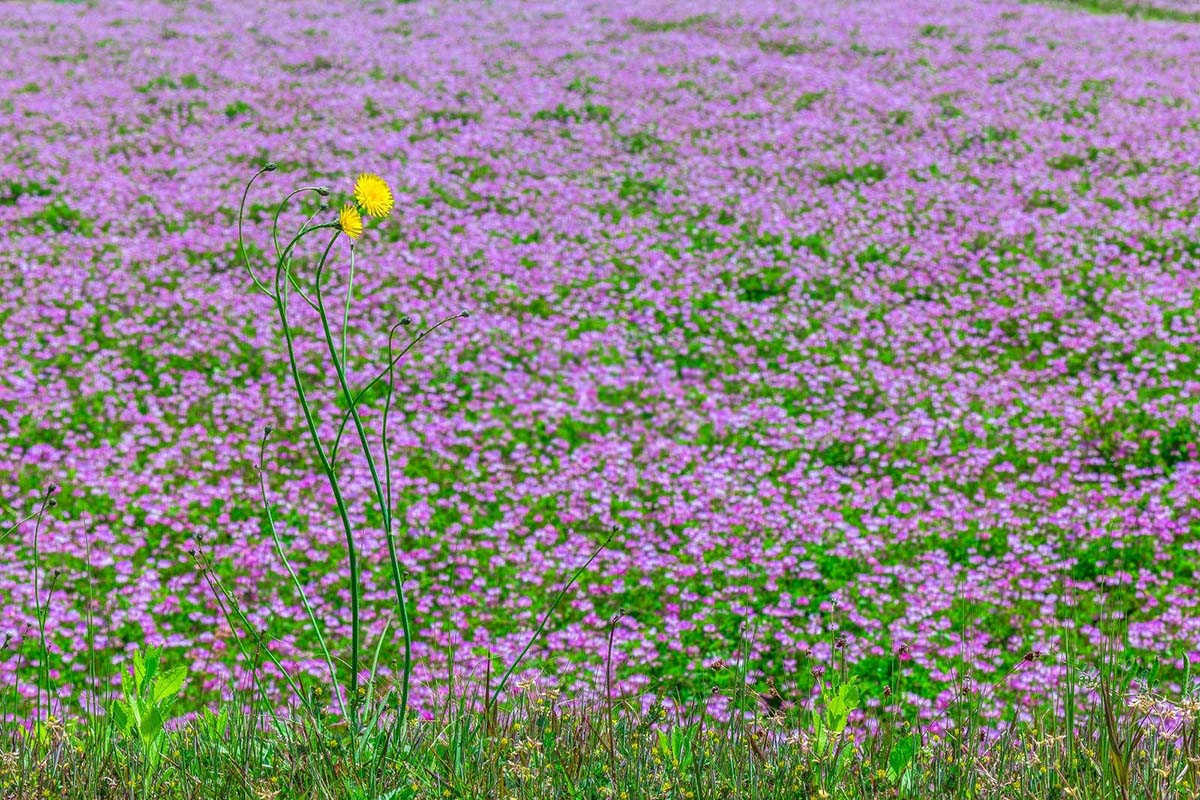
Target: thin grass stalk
(308,609)
(43,652)
(405,623)
(222,595)
(546,617)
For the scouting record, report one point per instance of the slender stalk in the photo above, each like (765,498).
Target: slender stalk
(312,617)
(387,372)
(608,702)
(405,623)
(546,617)
(241,239)
(323,192)
(320,190)
(37,606)
(219,591)
(326,465)
(384,509)
(346,308)
(17,524)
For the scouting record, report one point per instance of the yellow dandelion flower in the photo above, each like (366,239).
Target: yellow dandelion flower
(350,221)
(373,194)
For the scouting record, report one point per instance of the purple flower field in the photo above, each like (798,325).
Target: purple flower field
(869,325)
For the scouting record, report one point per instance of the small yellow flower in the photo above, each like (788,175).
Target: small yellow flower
(373,194)
(350,221)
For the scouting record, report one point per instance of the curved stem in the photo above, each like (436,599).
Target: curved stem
(37,606)
(219,591)
(275,233)
(241,239)
(346,308)
(387,474)
(312,617)
(385,510)
(279,210)
(326,465)
(17,524)
(392,362)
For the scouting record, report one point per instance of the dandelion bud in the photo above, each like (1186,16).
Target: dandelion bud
(322,191)
(406,320)
(52,488)
(51,503)
(268,430)
(271,166)
(465,314)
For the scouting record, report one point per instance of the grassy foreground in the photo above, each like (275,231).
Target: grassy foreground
(1106,735)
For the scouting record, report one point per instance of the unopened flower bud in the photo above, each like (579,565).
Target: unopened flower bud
(271,166)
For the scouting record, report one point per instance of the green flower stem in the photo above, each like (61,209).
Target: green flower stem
(326,465)
(219,591)
(386,511)
(275,235)
(346,308)
(279,210)
(387,471)
(386,373)
(40,617)
(241,239)
(312,617)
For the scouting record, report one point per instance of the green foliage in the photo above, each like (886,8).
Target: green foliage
(61,218)
(148,695)
(862,173)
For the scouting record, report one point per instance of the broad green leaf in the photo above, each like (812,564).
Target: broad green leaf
(168,684)
(121,715)
(151,726)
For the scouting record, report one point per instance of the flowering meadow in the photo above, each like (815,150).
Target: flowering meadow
(867,330)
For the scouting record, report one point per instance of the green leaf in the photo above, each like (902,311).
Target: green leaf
(151,663)
(139,671)
(168,684)
(903,752)
(121,715)
(152,725)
